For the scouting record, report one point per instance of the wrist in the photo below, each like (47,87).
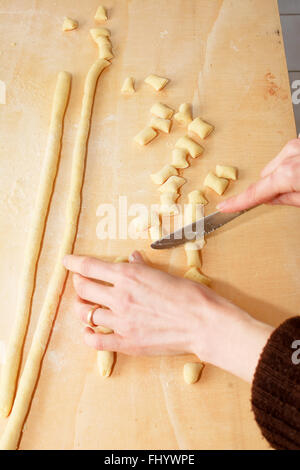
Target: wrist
(234,341)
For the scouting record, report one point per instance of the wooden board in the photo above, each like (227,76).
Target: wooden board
(225,57)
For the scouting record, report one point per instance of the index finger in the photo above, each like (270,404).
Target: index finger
(93,268)
(258,193)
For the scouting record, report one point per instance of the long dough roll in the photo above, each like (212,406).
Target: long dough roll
(11,436)
(13,358)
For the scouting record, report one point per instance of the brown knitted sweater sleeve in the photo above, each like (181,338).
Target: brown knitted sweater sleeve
(276,387)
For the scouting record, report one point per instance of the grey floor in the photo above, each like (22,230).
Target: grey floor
(290,22)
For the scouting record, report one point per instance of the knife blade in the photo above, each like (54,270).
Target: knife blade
(196,230)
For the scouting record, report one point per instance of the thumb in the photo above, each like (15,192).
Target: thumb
(136,257)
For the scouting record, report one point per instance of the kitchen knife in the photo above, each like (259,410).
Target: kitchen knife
(196,230)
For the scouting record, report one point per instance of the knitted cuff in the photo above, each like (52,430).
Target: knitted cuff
(276,387)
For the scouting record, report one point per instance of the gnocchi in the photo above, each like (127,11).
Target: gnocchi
(101,14)
(128,86)
(215,183)
(201,128)
(161,124)
(168,204)
(197,197)
(162,111)
(184,115)
(179,158)
(192,254)
(224,171)
(145,136)
(193,148)
(162,175)
(158,83)
(69,24)
(172,184)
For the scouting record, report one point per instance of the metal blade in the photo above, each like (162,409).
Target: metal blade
(195,230)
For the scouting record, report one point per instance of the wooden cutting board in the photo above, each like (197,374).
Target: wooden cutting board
(225,57)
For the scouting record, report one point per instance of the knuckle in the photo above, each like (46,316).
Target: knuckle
(293,146)
(85,265)
(80,285)
(252,193)
(79,309)
(288,169)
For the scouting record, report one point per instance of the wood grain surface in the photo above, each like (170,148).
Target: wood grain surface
(225,57)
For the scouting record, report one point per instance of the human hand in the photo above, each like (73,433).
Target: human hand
(154,313)
(279,183)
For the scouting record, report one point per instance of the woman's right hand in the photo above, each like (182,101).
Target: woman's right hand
(279,183)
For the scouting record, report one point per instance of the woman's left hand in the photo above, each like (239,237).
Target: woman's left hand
(155,313)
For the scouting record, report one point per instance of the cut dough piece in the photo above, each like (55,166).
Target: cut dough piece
(214,182)
(192,254)
(192,213)
(168,204)
(128,86)
(145,136)
(179,158)
(155,232)
(224,171)
(192,372)
(197,245)
(184,115)
(188,144)
(101,14)
(158,83)
(28,379)
(105,361)
(172,184)
(161,124)
(69,24)
(162,110)
(194,275)
(10,368)
(197,197)
(162,175)
(201,128)
(96,32)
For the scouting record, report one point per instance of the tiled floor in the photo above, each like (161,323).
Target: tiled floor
(290,22)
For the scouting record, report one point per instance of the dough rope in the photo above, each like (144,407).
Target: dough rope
(11,436)
(11,367)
